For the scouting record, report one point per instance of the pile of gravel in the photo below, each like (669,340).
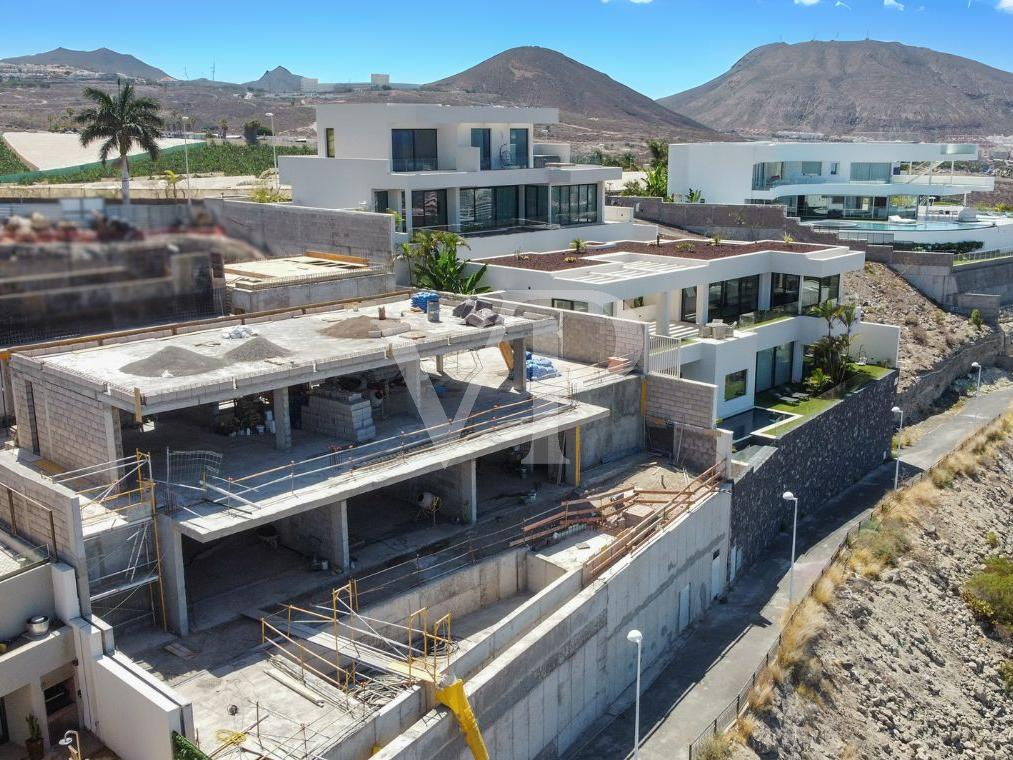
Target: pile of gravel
(256,350)
(365,327)
(173,361)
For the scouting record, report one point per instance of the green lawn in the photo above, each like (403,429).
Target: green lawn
(9,162)
(866,373)
(229,158)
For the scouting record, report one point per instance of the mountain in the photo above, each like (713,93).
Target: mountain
(102,61)
(868,88)
(538,76)
(278,79)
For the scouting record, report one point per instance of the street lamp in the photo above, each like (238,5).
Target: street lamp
(789,496)
(977,366)
(186,163)
(72,741)
(636,637)
(900,428)
(274,148)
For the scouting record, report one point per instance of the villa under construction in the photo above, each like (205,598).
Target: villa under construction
(379,509)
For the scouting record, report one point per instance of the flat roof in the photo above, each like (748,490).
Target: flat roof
(314,266)
(700,250)
(203,366)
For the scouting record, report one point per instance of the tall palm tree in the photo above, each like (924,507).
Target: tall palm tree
(121,121)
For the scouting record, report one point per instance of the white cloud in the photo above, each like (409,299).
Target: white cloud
(841,4)
(893,5)
(806,2)
(1006,6)
(641,2)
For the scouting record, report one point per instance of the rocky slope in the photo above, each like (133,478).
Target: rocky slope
(870,88)
(899,667)
(928,334)
(102,61)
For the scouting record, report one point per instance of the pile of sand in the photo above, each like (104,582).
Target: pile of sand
(365,327)
(256,350)
(173,361)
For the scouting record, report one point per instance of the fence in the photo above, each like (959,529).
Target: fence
(971,257)
(727,717)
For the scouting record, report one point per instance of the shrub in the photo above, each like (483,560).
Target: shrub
(1006,674)
(992,539)
(989,592)
(878,544)
(942,477)
(716,747)
(920,334)
(976,319)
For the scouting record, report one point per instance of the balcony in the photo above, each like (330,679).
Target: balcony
(497,227)
(417,164)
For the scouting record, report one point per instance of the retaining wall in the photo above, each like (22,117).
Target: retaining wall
(815,461)
(283,229)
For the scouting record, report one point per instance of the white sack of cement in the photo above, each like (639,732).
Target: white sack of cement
(238,332)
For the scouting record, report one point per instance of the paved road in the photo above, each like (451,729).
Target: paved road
(730,642)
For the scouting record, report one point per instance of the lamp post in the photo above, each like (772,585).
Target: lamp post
(900,428)
(789,496)
(274,148)
(72,741)
(977,366)
(186,164)
(636,637)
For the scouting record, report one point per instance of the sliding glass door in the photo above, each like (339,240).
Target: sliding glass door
(774,366)
(484,208)
(481,138)
(429,208)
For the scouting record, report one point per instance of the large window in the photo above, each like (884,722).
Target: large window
(784,292)
(429,208)
(481,138)
(871,172)
(566,303)
(536,203)
(735,385)
(413,150)
(329,141)
(518,158)
(689,304)
(816,290)
(488,207)
(773,366)
(729,299)
(575,204)
(381,201)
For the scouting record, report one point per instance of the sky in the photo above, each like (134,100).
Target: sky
(658,47)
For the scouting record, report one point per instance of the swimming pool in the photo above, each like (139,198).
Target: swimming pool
(752,421)
(912,227)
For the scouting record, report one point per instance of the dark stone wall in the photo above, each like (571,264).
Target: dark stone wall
(815,461)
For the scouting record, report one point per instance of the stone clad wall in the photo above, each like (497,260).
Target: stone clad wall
(815,461)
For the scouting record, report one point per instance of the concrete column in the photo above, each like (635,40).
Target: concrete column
(439,363)
(282,421)
(662,316)
(411,370)
(337,540)
(468,494)
(520,368)
(702,299)
(173,575)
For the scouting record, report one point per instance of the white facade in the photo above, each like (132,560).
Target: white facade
(845,179)
(658,288)
(476,170)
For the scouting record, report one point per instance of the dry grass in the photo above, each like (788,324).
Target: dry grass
(761,696)
(717,747)
(745,727)
(804,626)
(826,587)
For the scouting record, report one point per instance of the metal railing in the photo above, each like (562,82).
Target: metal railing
(725,719)
(971,257)
(663,354)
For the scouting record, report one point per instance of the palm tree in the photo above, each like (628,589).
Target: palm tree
(659,152)
(121,121)
(828,311)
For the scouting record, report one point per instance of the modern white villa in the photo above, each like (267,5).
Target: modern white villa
(475,170)
(841,180)
(734,315)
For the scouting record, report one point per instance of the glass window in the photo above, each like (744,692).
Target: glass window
(689,304)
(735,385)
(413,150)
(784,292)
(817,290)
(488,207)
(429,208)
(862,171)
(329,141)
(773,366)
(633,303)
(575,204)
(566,303)
(519,148)
(536,203)
(381,201)
(835,168)
(729,299)
(481,138)
(811,168)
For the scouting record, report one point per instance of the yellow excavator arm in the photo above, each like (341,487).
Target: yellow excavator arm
(456,701)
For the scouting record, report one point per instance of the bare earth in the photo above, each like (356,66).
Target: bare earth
(928,334)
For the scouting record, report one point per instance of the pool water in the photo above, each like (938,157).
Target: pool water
(915,227)
(746,423)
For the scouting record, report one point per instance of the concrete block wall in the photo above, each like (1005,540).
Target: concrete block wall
(349,417)
(621,433)
(283,229)
(76,431)
(677,399)
(455,485)
(543,693)
(296,294)
(815,461)
(593,338)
